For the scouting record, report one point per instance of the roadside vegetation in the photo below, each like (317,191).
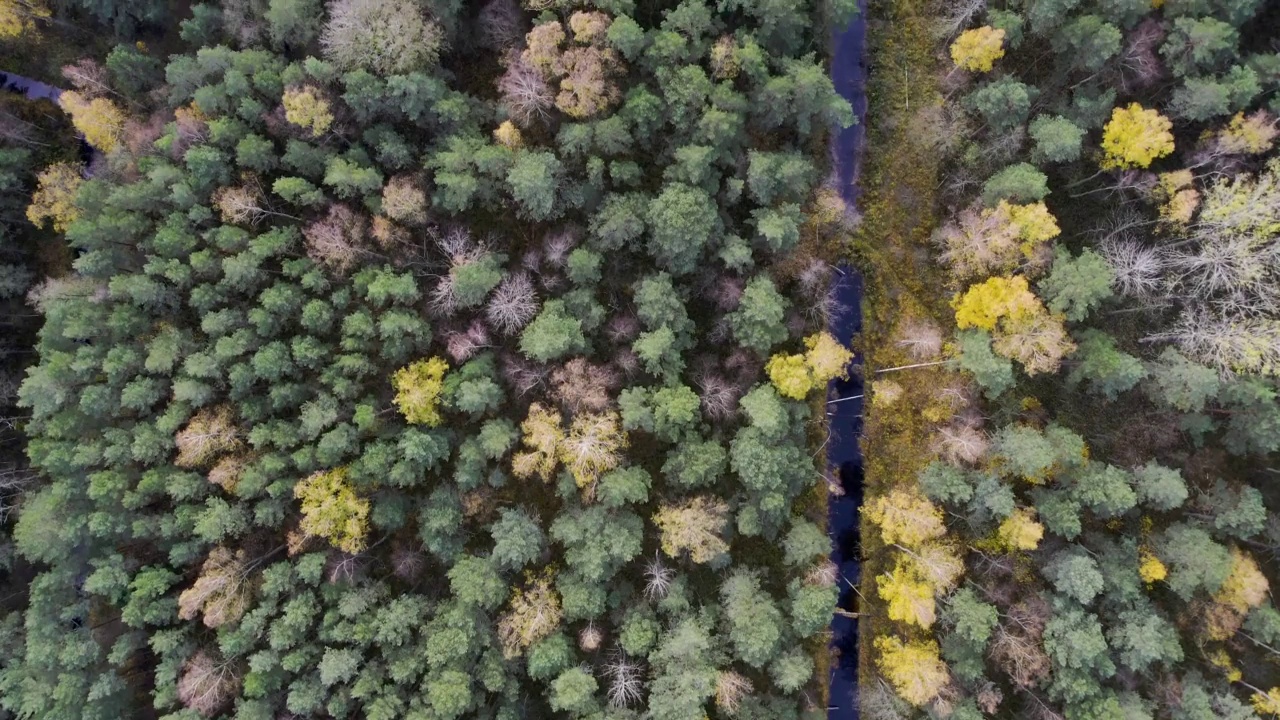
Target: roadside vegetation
(421,360)
(1073,207)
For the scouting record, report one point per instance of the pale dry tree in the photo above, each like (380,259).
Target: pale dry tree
(221,591)
(241,204)
(1139,63)
(88,77)
(922,339)
(622,328)
(579,386)
(989,698)
(208,434)
(207,682)
(338,239)
(627,362)
(962,443)
(526,94)
(726,293)
(407,562)
(14,482)
(557,245)
(952,17)
(388,37)
(590,638)
(731,688)
(880,702)
(522,374)
(657,578)
(462,345)
(344,567)
(1241,343)
(815,277)
(502,24)
(823,574)
(717,395)
(1139,269)
(512,304)
(626,681)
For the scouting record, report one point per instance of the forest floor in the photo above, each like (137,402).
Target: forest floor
(903,287)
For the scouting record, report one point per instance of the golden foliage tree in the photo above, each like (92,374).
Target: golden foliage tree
(914,669)
(542,436)
(908,596)
(306,107)
(418,387)
(1022,326)
(906,517)
(533,614)
(1253,134)
(826,357)
(593,447)
(984,241)
(18,17)
(404,201)
(790,374)
(694,526)
(1134,137)
(221,591)
(98,119)
(1020,531)
(332,510)
(55,196)
(977,49)
(209,434)
(1150,568)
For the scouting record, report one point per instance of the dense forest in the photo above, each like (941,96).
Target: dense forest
(1069,503)
(417,359)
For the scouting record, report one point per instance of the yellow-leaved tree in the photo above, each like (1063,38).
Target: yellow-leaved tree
(1150,568)
(98,119)
(306,107)
(418,387)
(534,613)
(55,196)
(906,517)
(908,595)
(332,510)
(1022,327)
(1134,137)
(18,17)
(694,526)
(542,436)
(913,668)
(826,357)
(977,49)
(593,447)
(1020,531)
(795,375)
(1244,589)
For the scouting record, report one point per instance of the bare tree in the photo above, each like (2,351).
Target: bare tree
(502,24)
(626,681)
(1138,268)
(462,345)
(512,304)
(207,683)
(579,386)
(525,92)
(921,337)
(338,239)
(1139,63)
(718,395)
(952,17)
(962,443)
(658,578)
(731,688)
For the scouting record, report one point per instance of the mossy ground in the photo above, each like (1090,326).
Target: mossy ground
(891,248)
